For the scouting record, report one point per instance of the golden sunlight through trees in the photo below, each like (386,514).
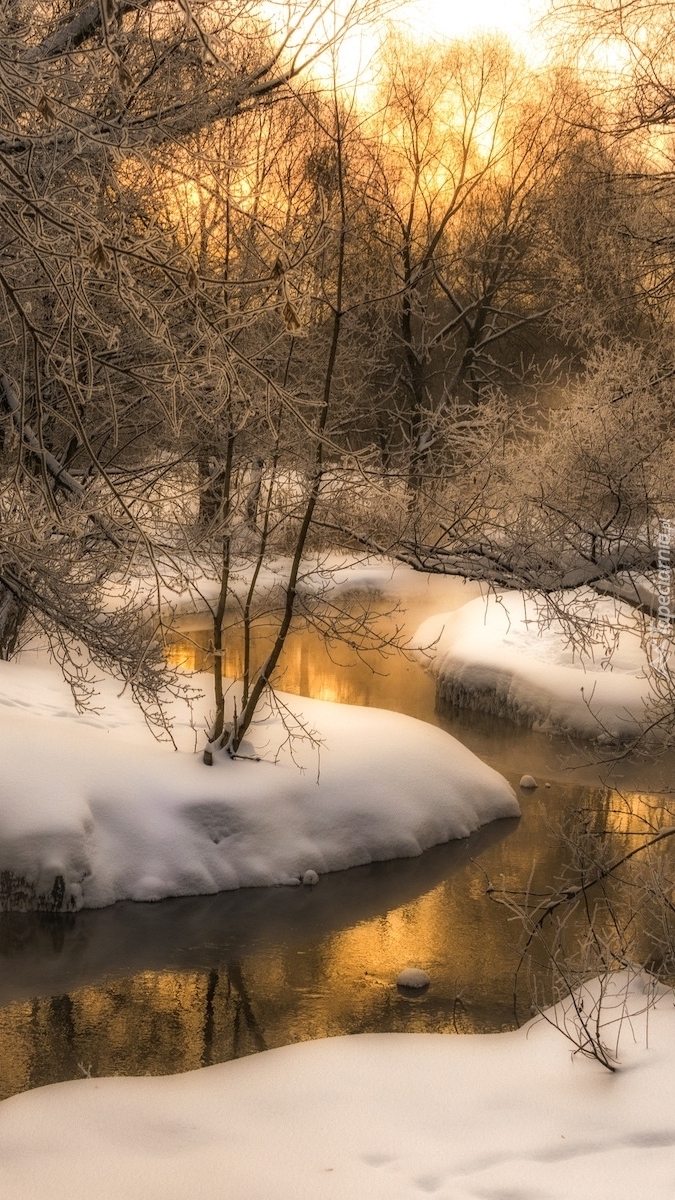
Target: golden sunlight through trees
(337,452)
(354,61)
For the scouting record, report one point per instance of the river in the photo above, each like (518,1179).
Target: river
(168,987)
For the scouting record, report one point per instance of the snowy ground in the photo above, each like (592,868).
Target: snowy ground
(513,1116)
(93,801)
(494,655)
(516,1116)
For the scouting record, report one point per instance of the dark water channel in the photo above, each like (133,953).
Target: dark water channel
(167,987)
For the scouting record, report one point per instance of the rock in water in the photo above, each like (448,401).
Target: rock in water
(528,782)
(310,878)
(412,977)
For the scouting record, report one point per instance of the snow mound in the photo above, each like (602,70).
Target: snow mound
(494,655)
(412,977)
(90,816)
(382,1116)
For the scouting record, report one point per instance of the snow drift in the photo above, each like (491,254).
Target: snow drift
(382,1116)
(494,655)
(91,814)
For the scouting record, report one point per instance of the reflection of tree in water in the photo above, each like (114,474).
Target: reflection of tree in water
(238,1001)
(53,1039)
(44,932)
(209,1018)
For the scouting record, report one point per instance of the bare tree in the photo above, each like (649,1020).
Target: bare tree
(465,165)
(110,329)
(610,911)
(317,297)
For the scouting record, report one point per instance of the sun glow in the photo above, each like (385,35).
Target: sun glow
(355,62)
(450,18)
(444,20)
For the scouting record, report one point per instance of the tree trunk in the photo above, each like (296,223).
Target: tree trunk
(12,616)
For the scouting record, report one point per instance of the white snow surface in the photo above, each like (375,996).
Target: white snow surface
(94,800)
(331,575)
(412,977)
(493,654)
(508,1116)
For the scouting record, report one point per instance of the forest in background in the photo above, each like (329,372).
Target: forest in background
(252,312)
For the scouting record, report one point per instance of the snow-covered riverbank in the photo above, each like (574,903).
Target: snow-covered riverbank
(498,654)
(92,807)
(92,810)
(374,1117)
(92,802)
(327,576)
(501,652)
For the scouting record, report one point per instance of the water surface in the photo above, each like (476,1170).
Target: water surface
(166,987)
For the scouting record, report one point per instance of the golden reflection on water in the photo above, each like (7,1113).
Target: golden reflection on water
(152,1023)
(321,670)
(637,813)
(161,1022)
(322,973)
(323,983)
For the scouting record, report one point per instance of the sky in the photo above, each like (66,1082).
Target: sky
(458,18)
(430,19)
(422,19)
